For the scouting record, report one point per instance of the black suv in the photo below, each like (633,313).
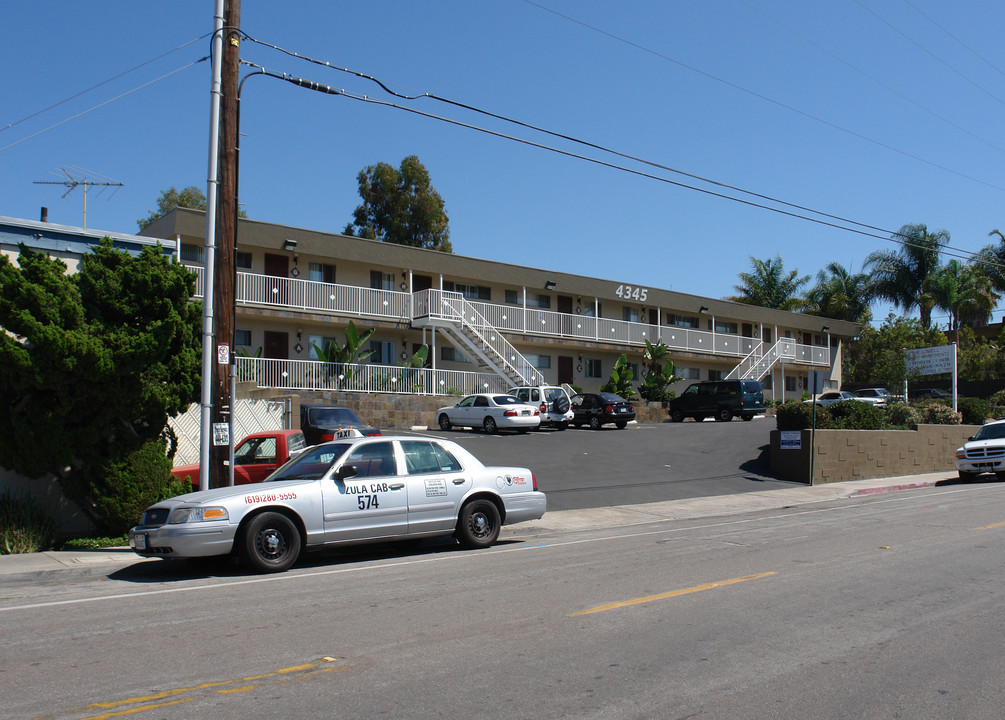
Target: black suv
(720,398)
(320,422)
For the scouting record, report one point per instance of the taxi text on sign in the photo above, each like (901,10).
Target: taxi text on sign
(930,361)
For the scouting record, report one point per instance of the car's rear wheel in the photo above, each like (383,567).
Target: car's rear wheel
(561,425)
(724,415)
(1000,476)
(621,424)
(676,415)
(271,543)
(490,424)
(595,423)
(478,525)
(522,431)
(747,416)
(445,422)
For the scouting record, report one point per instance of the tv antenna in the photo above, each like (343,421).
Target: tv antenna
(81,178)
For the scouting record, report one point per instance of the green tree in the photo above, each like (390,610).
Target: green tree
(400,206)
(840,294)
(770,286)
(620,380)
(345,354)
(191,197)
(903,276)
(93,363)
(965,292)
(991,260)
(876,356)
(658,374)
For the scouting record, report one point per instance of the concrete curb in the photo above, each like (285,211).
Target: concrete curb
(57,565)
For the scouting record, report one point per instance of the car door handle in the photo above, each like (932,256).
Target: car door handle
(396,486)
(459,481)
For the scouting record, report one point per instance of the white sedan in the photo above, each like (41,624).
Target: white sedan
(835,396)
(491,412)
(353,490)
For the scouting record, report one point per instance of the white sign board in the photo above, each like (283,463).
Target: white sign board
(930,361)
(790,440)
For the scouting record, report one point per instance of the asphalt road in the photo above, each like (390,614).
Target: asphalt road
(643,463)
(880,606)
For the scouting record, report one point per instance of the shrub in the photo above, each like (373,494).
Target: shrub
(902,415)
(799,416)
(93,543)
(934,412)
(974,410)
(25,526)
(997,402)
(129,485)
(855,415)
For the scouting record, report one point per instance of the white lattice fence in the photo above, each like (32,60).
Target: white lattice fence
(251,416)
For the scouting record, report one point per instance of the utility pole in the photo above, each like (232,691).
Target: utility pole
(226,248)
(72,183)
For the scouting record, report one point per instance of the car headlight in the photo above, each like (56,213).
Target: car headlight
(197,514)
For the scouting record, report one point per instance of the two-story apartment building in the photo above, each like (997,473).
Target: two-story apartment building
(488,324)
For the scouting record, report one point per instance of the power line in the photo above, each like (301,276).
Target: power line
(972,51)
(8,126)
(101,104)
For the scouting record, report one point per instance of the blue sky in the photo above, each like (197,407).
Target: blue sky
(884,112)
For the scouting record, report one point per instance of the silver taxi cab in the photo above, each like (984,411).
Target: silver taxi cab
(351,490)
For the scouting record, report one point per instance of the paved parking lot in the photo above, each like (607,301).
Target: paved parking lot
(581,469)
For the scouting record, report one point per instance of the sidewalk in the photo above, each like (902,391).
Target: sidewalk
(54,565)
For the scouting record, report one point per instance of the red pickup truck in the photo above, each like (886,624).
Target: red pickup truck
(255,457)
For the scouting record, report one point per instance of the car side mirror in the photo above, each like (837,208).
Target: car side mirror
(345,472)
(970,438)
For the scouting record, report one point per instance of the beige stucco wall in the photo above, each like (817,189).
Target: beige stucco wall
(862,454)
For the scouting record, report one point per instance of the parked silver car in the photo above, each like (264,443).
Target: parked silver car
(347,491)
(491,412)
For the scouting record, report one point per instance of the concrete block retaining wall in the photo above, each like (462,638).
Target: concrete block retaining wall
(860,454)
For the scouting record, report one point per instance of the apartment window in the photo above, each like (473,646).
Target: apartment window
(541,362)
(381,280)
(322,272)
(790,383)
(471,292)
(535,300)
(591,311)
(715,374)
(451,354)
(766,383)
(687,321)
(726,327)
(635,370)
(688,373)
(320,341)
(630,314)
(243,260)
(242,337)
(193,253)
(512,297)
(383,352)
(592,368)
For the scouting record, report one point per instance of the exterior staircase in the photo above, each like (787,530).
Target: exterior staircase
(470,332)
(757,364)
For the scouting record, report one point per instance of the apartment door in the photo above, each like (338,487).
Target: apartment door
(276,347)
(277,266)
(564,306)
(565,370)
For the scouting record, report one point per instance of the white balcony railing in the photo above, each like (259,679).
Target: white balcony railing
(363,377)
(350,300)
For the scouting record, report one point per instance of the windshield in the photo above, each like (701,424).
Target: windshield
(333,416)
(311,464)
(991,432)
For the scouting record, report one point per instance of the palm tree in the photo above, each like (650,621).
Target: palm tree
(965,292)
(902,276)
(991,259)
(840,294)
(769,286)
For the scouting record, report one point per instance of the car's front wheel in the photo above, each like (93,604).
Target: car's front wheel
(445,422)
(968,476)
(478,525)
(271,543)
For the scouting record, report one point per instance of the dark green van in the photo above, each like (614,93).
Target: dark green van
(721,399)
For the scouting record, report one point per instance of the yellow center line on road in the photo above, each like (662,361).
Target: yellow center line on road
(671,594)
(989,527)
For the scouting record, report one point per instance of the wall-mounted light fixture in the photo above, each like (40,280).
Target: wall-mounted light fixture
(550,285)
(299,331)
(289,245)
(703,309)
(825,328)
